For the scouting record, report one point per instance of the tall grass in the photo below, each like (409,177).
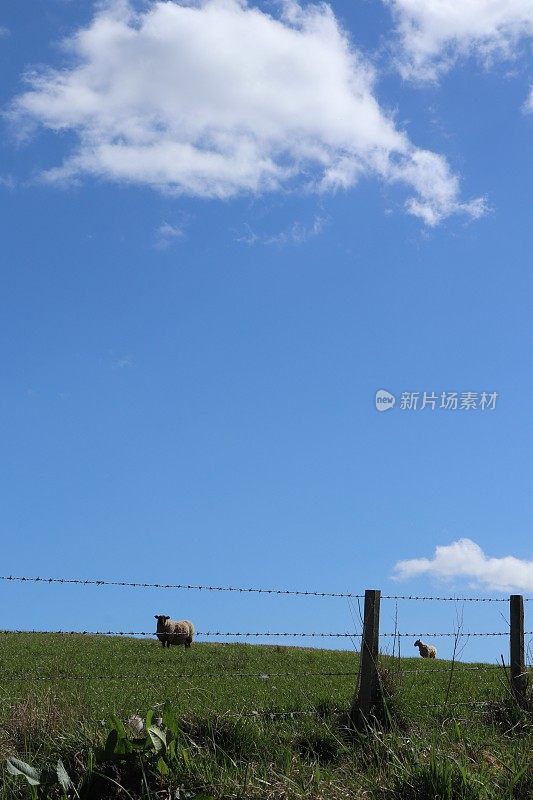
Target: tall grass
(121,722)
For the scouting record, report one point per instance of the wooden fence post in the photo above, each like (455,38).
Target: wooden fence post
(518,667)
(368,689)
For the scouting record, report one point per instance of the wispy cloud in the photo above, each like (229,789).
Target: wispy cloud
(465,559)
(122,362)
(168,233)
(4,32)
(434,34)
(249,237)
(8,182)
(218,98)
(528,105)
(297,233)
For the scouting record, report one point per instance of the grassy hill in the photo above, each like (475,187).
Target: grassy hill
(252,721)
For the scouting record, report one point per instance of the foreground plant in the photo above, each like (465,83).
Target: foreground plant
(127,762)
(42,782)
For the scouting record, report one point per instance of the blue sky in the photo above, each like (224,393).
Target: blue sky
(224,228)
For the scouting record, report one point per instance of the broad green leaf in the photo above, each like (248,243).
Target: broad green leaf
(17,767)
(123,747)
(63,777)
(158,737)
(111,743)
(116,724)
(162,767)
(169,720)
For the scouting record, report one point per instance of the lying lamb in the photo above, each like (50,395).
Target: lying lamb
(426,650)
(171,631)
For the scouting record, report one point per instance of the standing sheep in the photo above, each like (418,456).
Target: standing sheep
(171,631)
(426,650)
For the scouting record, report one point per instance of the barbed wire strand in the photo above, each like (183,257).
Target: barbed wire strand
(209,588)
(198,587)
(255,634)
(197,633)
(23,676)
(175,676)
(458,634)
(430,669)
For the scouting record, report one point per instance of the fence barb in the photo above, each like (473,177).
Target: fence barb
(207,588)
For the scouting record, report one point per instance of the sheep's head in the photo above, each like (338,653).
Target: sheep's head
(418,643)
(162,618)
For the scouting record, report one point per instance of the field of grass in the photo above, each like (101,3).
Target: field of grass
(252,721)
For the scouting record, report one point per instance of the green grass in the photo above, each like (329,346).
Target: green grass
(230,739)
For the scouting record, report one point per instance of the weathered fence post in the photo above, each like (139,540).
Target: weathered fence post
(518,667)
(367,694)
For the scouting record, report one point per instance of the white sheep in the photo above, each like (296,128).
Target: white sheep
(426,650)
(171,631)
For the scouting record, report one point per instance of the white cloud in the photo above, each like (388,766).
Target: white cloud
(167,233)
(122,362)
(433,34)
(8,182)
(218,98)
(249,236)
(464,558)
(528,105)
(297,233)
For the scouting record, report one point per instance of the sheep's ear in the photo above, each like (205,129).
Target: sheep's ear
(167,617)
(156,616)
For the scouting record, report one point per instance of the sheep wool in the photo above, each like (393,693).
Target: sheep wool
(172,631)
(426,650)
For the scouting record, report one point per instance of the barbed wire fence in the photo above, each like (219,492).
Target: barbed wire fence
(366,676)
(209,588)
